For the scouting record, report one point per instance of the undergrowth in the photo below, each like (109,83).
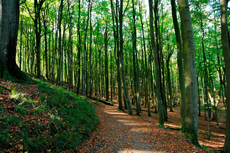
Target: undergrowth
(50,119)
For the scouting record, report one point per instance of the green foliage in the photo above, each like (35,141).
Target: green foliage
(3,87)
(58,121)
(206,148)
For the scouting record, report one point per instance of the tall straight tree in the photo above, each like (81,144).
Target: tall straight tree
(226,53)
(180,65)
(191,119)
(70,49)
(106,61)
(45,24)
(79,47)
(116,49)
(125,90)
(135,62)
(157,66)
(90,54)
(161,57)
(37,24)
(9,22)
(85,85)
(146,65)
(60,54)
(205,71)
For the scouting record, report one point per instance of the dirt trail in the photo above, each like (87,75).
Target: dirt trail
(120,133)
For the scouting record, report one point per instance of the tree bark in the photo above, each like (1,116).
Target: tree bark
(226,53)
(125,91)
(170,99)
(106,64)
(191,119)
(70,50)
(116,50)
(157,67)
(9,22)
(90,56)
(79,48)
(146,65)
(180,65)
(205,78)
(135,63)
(60,54)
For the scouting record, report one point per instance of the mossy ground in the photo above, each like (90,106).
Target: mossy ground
(41,117)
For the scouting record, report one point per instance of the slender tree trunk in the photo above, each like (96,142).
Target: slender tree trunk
(125,91)
(198,86)
(146,65)
(157,67)
(54,54)
(106,64)
(135,63)
(111,75)
(20,54)
(70,49)
(116,51)
(46,47)
(90,55)
(180,65)
(59,45)
(161,58)
(170,99)
(37,24)
(206,79)
(86,52)
(79,47)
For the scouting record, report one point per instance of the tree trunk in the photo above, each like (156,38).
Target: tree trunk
(206,77)
(20,54)
(60,55)
(90,55)
(37,25)
(106,64)
(46,47)
(157,67)
(70,50)
(135,64)
(226,53)
(116,51)
(191,119)
(180,65)
(125,91)
(79,48)
(170,99)
(146,65)
(9,22)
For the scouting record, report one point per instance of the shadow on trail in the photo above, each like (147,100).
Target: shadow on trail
(120,133)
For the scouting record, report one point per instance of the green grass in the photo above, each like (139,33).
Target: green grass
(57,121)
(206,149)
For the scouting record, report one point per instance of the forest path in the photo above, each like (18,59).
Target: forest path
(120,133)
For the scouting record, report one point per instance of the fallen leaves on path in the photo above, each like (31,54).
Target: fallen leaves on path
(120,132)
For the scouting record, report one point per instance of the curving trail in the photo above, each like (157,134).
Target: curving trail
(120,133)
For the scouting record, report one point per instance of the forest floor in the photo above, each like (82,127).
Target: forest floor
(120,132)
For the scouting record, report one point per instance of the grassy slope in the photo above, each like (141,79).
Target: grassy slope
(40,117)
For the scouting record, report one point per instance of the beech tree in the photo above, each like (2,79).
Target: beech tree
(157,66)
(180,65)
(191,118)
(9,22)
(115,48)
(226,53)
